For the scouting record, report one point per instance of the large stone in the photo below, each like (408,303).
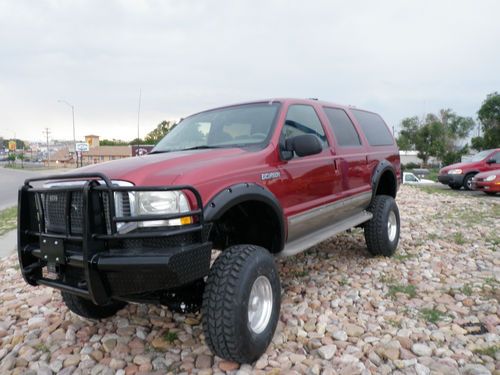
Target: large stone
(353,330)
(327,352)
(421,350)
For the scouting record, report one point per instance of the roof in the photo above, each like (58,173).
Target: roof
(109,151)
(93,136)
(62,154)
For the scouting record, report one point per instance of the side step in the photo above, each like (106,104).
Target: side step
(322,234)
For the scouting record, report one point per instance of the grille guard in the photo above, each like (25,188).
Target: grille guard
(92,241)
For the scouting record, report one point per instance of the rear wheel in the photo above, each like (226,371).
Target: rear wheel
(87,309)
(241,303)
(382,231)
(468,181)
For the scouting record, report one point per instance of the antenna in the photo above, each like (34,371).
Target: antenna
(138,117)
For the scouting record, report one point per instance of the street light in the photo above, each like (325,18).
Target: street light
(74,138)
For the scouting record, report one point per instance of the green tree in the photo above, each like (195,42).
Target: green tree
(159,132)
(440,135)
(112,142)
(21,157)
(407,133)
(136,141)
(489,117)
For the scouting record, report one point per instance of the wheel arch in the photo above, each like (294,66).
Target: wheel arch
(384,180)
(248,196)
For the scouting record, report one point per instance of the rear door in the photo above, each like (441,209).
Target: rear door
(350,153)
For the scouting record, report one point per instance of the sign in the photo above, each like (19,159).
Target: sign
(141,150)
(12,145)
(83,146)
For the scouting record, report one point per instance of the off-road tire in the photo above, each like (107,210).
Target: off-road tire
(226,299)
(87,309)
(376,230)
(467,181)
(456,187)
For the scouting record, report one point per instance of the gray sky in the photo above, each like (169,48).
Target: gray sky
(398,58)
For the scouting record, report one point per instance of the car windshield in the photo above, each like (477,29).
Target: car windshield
(481,155)
(237,126)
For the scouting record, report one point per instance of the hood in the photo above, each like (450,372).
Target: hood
(463,166)
(483,175)
(164,168)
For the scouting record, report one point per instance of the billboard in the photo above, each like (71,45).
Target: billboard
(12,146)
(141,149)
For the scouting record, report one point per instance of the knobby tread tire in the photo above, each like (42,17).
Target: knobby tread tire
(376,237)
(221,304)
(88,309)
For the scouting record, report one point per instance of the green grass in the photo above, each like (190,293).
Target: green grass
(403,257)
(490,351)
(466,289)
(409,290)
(432,315)
(435,189)
(170,336)
(302,273)
(41,347)
(493,239)
(344,281)
(459,238)
(8,220)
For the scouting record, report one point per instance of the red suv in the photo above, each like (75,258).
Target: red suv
(461,174)
(255,180)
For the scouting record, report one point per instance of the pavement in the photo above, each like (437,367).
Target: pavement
(8,243)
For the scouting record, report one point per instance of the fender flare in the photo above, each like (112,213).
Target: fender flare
(381,168)
(239,193)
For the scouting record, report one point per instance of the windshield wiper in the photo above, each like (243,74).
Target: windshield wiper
(202,147)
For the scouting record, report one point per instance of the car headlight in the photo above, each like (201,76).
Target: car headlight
(455,171)
(491,177)
(162,203)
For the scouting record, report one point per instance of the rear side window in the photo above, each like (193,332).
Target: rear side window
(302,119)
(342,127)
(374,128)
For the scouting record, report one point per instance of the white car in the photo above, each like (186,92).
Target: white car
(411,179)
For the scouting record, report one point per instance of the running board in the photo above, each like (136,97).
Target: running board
(322,234)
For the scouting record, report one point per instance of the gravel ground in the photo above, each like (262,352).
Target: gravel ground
(432,309)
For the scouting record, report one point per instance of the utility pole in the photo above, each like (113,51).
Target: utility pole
(74,138)
(47,132)
(138,117)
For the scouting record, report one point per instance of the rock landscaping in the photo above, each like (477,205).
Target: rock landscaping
(431,309)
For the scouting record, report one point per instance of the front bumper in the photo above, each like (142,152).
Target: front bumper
(451,179)
(96,261)
(486,186)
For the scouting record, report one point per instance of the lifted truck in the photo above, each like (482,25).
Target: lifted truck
(255,180)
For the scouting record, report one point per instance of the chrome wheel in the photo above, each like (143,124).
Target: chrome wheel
(260,304)
(392,226)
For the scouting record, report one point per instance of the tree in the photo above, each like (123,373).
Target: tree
(21,157)
(408,131)
(112,142)
(136,141)
(440,135)
(159,132)
(489,117)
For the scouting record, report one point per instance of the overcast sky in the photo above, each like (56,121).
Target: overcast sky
(398,58)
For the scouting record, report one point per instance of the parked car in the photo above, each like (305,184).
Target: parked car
(489,182)
(410,179)
(460,174)
(255,180)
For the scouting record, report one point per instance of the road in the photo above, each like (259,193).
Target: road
(12,179)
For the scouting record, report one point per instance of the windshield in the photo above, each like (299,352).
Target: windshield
(480,156)
(238,126)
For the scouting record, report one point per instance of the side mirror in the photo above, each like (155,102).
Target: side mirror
(303,145)
(491,161)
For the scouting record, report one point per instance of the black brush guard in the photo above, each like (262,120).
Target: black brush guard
(100,263)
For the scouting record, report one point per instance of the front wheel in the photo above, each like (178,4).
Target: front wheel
(382,231)
(241,303)
(468,181)
(87,309)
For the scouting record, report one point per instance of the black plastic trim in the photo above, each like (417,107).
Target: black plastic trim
(381,168)
(244,192)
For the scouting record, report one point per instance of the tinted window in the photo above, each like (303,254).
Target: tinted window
(302,119)
(342,127)
(496,157)
(374,128)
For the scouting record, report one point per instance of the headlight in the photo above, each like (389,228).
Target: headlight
(455,171)
(162,203)
(491,177)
